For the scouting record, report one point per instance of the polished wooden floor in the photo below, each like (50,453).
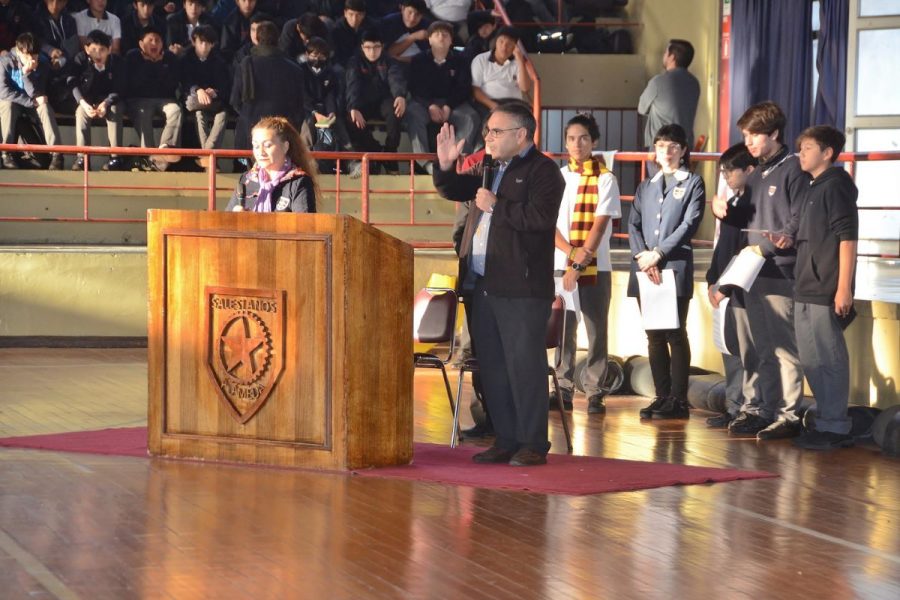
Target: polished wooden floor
(96,527)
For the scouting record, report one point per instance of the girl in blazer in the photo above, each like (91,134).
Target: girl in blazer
(665,215)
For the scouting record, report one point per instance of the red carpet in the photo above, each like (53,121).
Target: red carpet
(572,475)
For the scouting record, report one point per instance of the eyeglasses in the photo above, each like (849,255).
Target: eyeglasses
(495,132)
(663,147)
(371,47)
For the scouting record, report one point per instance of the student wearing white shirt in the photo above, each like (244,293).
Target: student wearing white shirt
(94,17)
(582,260)
(499,74)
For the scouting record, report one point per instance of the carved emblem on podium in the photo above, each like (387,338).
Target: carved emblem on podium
(245,346)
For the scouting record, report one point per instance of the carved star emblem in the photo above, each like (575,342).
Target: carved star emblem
(240,346)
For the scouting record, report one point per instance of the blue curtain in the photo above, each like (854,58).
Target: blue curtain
(771,59)
(831,62)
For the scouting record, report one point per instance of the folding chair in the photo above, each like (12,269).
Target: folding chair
(434,322)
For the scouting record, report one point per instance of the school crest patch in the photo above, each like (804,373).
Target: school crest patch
(772,190)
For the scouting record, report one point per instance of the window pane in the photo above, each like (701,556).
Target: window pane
(879,229)
(878,70)
(878,8)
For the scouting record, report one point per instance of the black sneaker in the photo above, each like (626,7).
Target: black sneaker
(780,430)
(596,405)
(477,432)
(823,440)
(566,398)
(78,165)
(647,411)
(748,424)
(9,161)
(144,164)
(673,408)
(719,421)
(56,162)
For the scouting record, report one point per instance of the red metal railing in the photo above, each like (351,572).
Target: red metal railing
(364,190)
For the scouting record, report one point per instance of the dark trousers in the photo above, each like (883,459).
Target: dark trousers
(509,335)
(670,356)
(362,139)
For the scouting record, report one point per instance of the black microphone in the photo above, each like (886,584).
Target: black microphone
(487,175)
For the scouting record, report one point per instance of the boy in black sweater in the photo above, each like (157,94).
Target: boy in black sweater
(324,125)
(205,85)
(152,84)
(825,234)
(376,88)
(97,87)
(735,165)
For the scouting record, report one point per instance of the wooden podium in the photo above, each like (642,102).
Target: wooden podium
(279,339)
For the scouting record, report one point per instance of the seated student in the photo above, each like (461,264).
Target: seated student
(296,33)
(14,20)
(499,74)
(56,29)
(376,88)
(151,74)
(439,87)
(95,16)
(283,176)
(236,29)
(405,33)
(266,83)
(735,165)
(825,233)
(180,25)
(481,25)
(346,33)
(97,86)
(325,124)
(23,93)
(142,16)
(244,51)
(204,84)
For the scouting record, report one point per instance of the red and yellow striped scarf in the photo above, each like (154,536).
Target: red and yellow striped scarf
(586,200)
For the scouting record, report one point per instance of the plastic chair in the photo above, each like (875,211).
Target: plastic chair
(434,322)
(556,327)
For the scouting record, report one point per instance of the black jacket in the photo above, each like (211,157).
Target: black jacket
(132,28)
(345,41)
(294,193)
(370,83)
(61,33)
(146,79)
(234,34)
(828,216)
(93,86)
(731,240)
(449,83)
(210,73)
(322,91)
(268,83)
(520,247)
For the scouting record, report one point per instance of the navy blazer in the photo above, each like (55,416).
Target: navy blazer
(667,222)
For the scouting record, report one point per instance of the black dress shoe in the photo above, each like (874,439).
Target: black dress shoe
(823,440)
(78,165)
(596,405)
(780,430)
(526,457)
(719,421)
(477,432)
(566,398)
(748,424)
(647,411)
(673,408)
(493,455)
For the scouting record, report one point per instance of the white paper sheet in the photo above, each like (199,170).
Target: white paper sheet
(742,270)
(570,298)
(718,326)
(659,303)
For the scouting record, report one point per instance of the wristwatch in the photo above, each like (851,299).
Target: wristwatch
(579,267)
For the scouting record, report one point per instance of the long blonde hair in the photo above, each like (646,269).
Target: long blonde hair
(297,150)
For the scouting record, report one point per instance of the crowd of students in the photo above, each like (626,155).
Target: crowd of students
(332,67)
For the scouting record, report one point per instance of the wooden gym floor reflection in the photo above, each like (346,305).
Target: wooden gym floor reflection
(83,526)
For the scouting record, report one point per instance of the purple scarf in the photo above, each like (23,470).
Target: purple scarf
(266,185)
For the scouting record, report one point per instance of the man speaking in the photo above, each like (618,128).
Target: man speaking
(506,272)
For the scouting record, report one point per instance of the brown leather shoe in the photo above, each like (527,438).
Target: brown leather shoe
(526,457)
(493,455)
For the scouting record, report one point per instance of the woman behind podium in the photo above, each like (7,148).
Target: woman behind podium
(665,215)
(283,177)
